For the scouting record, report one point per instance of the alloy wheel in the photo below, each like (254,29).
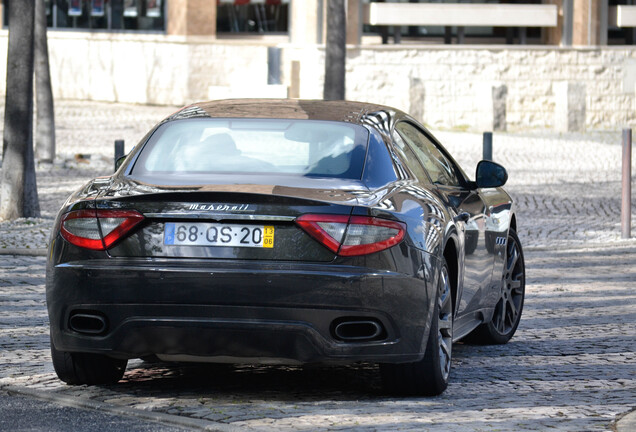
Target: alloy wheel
(508,309)
(445,323)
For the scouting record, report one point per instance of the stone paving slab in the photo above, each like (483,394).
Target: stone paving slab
(571,365)
(567,186)
(627,423)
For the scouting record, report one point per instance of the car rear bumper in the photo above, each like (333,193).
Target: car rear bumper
(244,312)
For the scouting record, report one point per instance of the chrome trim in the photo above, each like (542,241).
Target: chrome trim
(219,216)
(377,330)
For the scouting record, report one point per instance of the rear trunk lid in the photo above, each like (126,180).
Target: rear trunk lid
(246,221)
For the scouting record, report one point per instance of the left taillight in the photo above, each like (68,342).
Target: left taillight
(98,229)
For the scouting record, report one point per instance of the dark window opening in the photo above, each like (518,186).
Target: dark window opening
(141,15)
(255,16)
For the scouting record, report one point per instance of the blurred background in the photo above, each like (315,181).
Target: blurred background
(566,65)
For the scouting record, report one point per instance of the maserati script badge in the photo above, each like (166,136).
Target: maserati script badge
(220,207)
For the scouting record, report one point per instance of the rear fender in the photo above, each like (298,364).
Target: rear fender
(454,249)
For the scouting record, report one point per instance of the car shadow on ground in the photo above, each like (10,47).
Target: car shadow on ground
(306,383)
(289,383)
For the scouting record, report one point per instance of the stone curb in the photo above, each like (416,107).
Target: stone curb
(158,417)
(627,423)
(563,248)
(24,252)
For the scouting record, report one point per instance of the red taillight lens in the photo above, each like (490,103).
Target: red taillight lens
(98,229)
(355,235)
(81,229)
(366,235)
(327,229)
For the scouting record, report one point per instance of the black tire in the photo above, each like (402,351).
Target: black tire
(85,368)
(429,376)
(509,307)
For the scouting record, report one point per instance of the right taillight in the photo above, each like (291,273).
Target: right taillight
(98,229)
(355,235)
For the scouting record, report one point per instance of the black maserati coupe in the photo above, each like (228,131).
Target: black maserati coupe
(285,232)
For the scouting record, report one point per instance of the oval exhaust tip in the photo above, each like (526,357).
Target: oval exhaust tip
(87,323)
(358,330)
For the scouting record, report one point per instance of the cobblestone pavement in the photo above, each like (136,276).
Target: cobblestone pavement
(567,187)
(571,365)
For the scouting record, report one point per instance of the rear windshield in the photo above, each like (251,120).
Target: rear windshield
(195,147)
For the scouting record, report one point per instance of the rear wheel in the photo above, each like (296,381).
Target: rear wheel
(85,368)
(505,319)
(428,376)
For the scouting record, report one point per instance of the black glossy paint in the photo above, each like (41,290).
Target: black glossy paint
(279,304)
(490,174)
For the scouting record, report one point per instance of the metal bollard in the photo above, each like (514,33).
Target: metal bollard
(273,65)
(487,151)
(294,88)
(626,199)
(119,151)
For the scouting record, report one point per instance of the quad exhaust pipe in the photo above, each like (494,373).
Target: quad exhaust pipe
(358,330)
(88,323)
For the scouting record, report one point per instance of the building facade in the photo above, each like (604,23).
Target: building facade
(573,69)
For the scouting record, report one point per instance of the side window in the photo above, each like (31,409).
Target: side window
(439,167)
(410,158)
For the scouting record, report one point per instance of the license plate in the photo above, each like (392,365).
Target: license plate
(214,234)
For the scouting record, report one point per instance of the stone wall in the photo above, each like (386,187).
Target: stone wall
(486,88)
(146,68)
(463,87)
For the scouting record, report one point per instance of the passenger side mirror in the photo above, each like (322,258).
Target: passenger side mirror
(120,161)
(490,175)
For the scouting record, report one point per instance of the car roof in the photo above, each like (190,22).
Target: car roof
(345,111)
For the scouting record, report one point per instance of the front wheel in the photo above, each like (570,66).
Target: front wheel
(86,368)
(429,376)
(507,314)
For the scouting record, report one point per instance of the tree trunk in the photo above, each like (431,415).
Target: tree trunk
(18,194)
(335,51)
(45,116)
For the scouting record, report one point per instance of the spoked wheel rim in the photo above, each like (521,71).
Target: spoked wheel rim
(508,309)
(445,323)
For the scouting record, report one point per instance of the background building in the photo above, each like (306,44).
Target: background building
(564,64)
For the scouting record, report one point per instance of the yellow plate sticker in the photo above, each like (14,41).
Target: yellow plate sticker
(268,236)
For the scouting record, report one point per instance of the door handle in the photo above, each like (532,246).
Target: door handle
(463,217)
